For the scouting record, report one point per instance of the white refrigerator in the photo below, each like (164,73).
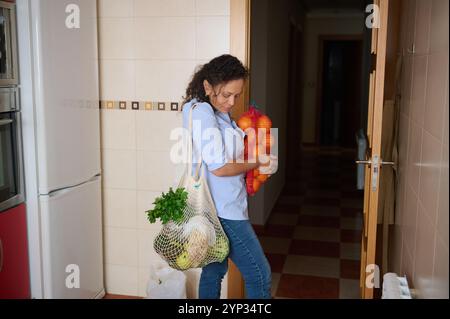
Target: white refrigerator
(67,121)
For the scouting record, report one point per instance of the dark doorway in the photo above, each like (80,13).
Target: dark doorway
(340,102)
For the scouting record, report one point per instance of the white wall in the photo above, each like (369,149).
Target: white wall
(320,24)
(258,86)
(148,52)
(269,86)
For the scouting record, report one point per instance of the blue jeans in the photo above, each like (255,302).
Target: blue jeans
(247,254)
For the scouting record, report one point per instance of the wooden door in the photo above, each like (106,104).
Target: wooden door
(369,271)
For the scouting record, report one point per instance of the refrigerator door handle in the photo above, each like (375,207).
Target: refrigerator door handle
(62,191)
(5,122)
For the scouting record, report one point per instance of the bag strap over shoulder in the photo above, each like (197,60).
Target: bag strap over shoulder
(190,148)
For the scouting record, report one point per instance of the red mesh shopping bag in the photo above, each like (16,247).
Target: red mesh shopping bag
(257,141)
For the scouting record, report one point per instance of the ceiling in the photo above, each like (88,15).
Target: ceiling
(329,5)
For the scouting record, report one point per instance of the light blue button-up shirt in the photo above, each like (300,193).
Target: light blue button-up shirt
(229,193)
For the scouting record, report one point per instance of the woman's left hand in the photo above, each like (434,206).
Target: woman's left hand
(269,164)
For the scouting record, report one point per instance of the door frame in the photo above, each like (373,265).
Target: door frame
(240,46)
(322,39)
(240,11)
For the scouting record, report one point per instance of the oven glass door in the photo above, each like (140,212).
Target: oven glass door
(8,73)
(10,193)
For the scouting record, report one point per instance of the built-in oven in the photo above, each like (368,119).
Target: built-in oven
(12,187)
(8,44)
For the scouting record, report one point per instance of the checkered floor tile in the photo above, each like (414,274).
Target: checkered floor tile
(312,237)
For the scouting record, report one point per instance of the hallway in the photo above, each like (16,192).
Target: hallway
(312,238)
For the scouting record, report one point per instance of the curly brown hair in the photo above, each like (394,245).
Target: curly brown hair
(219,70)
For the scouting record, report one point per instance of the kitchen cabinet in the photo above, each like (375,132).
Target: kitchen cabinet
(14,266)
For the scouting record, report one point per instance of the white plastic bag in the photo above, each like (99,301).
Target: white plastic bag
(166,283)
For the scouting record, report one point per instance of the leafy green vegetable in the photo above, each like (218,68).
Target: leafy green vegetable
(168,207)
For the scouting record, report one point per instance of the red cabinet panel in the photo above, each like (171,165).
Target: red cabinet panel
(14,268)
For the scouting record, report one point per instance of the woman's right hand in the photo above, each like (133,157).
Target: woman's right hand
(268,164)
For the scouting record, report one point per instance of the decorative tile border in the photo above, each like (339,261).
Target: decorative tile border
(141,105)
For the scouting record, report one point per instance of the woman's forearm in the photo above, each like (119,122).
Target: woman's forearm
(233,169)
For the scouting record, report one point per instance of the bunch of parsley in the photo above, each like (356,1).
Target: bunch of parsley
(169,207)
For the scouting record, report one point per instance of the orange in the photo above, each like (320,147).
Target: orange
(245,122)
(264,122)
(256,185)
(262,178)
(255,172)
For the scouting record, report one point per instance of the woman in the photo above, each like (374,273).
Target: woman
(213,91)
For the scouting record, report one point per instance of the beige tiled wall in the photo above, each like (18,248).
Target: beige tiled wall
(421,247)
(148,50)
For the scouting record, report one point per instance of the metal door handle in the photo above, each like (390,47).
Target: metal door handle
(376,162)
